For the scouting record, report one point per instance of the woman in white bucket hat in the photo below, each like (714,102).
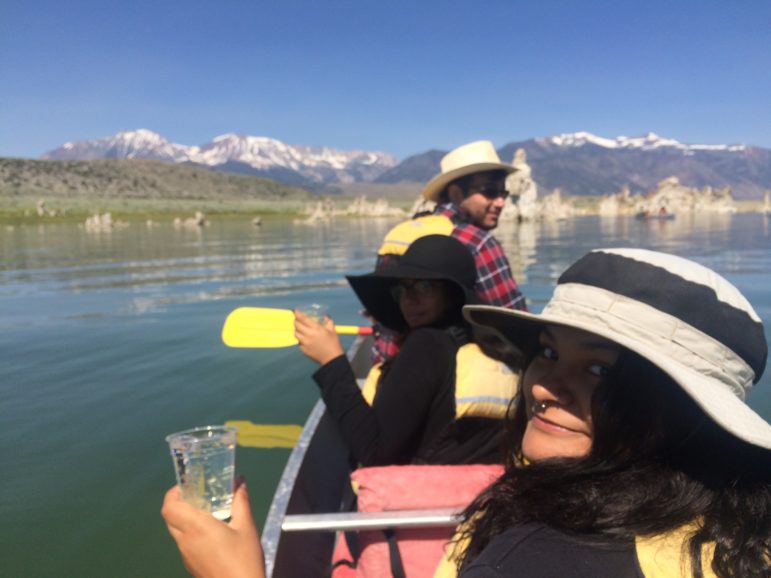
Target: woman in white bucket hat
(633,451)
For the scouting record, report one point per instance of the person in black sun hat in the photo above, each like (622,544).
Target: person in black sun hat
(440,400)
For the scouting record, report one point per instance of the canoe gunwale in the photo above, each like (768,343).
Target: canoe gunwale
(289,491)
(353,521)
(271,533)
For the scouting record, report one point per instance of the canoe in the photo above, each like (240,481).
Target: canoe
(312,483)
(298,537)
(655,216)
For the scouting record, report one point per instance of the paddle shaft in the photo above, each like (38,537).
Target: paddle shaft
(352,330)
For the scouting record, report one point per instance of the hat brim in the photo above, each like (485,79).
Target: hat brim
(714,398)
(435,186)
(374,292)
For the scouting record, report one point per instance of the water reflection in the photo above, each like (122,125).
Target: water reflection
(142,267)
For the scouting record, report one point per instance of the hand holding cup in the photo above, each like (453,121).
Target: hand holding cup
(204,462)
(318,340)
(209,547)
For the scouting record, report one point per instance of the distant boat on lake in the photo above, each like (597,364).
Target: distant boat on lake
(660,215)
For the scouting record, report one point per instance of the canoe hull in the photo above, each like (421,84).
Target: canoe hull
(655,217)
(316,473)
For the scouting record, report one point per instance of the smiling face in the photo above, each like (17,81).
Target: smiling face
(482,200)
(422,302)
(557,388)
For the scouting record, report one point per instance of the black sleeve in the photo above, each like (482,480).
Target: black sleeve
(389,431)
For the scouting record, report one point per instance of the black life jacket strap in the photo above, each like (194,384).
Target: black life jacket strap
(397,567)
(395,557)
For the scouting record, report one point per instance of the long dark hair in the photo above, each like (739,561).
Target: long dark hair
(657,463)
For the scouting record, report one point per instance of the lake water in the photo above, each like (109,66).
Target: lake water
(110,341)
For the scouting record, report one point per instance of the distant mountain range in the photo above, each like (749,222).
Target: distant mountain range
(250,155)
(578,163)
(585,164)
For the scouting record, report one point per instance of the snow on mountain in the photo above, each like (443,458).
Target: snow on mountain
(264,155)
(650,141)
(264,152)
(258,152)
(316,164)
(140,144)
(551,157)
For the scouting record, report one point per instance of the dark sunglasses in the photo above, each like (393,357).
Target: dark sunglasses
(419,288)
(491,192)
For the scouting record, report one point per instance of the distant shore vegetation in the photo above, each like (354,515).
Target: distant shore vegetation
(138,189)
(71,191)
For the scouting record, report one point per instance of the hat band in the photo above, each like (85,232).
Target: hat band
(694,294)
(608,314)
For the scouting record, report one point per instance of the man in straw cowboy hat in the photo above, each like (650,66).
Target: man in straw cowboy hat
(470,192)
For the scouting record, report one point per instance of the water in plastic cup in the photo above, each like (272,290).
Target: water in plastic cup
(316,311)
(204,461)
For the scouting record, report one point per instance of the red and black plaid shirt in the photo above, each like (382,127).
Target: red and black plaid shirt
(495,283)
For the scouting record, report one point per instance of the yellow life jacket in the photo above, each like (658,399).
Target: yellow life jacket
(447,567)
(667,556)
(664,556)
(399,238)
(483,386)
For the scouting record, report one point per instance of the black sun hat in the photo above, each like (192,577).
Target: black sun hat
(433,257)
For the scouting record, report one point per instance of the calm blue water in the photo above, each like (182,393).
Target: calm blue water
(110,341)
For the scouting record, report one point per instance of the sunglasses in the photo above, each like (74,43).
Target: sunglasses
(419,288)
(490,192)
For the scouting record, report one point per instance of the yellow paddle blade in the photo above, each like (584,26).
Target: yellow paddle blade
(266,327)
(259,327)
(251,435)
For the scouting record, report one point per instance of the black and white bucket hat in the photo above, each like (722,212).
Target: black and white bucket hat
(681,316)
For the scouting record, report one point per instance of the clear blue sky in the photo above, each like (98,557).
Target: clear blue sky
(392,75)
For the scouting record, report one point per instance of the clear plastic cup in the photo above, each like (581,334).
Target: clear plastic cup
(204,461)
(316,311)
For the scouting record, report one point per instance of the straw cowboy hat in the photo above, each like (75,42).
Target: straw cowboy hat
(682,317)
(431,257)
(474,157)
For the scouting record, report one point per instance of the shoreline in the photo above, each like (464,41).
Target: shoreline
(23,210)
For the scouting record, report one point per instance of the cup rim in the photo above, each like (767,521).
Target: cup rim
(193,433)
(313,305)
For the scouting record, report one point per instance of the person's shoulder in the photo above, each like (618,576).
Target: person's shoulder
(475,237)
(428,337)
(446,210)
(428,334)
(538,551)
(427,347)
